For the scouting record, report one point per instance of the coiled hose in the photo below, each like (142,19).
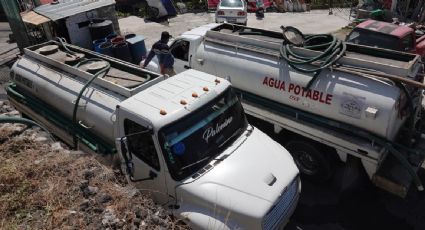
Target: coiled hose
(332,50)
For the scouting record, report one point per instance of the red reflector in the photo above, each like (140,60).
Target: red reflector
(220,12)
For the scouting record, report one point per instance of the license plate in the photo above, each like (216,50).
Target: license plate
(231,20)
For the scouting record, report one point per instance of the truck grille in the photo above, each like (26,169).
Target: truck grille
(283,207)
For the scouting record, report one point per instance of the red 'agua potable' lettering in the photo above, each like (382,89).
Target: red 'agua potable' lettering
(298,90)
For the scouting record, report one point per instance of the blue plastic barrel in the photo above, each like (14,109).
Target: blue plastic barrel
(137,47)
(122,52)
(97,42)
(106,49)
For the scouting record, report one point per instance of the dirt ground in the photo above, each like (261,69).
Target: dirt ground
(43,185)
(316,21)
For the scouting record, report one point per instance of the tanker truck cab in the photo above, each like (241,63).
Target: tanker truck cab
(185,140)
(192,148)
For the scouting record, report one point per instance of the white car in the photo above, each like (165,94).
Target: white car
(232,11)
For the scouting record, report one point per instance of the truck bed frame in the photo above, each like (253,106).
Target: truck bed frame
(123,78)
(357,56)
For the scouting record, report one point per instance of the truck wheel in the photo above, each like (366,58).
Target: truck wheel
(310,161)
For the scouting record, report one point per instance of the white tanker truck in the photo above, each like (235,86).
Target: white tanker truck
(363,106)
(184,139)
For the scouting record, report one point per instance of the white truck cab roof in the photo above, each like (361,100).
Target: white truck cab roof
(176,97)
(199,31)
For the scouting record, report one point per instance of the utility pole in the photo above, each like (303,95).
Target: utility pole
(11,9)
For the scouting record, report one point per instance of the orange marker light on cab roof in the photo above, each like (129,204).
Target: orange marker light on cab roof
(183,102)
(206,89)
(194,95)
(217,81)
(162,112)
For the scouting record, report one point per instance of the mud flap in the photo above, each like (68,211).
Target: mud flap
(393,177)
(354,176)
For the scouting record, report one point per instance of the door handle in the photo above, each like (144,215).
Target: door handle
(187,67)
(84,125)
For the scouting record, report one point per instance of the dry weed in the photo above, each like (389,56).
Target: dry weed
(45,189)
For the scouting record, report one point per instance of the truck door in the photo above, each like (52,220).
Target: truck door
(180,50)
(141,158)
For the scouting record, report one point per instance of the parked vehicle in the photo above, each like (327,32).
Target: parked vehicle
(212,4)
(232,11)
(388,36)
(156,9)
(183,139)
(251,4)
(350,112)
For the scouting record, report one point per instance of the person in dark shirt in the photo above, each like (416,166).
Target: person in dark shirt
(162,51)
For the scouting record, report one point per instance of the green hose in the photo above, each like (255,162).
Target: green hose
(24,121)
(57,119)
(63,43)
(77,101)
(332,50)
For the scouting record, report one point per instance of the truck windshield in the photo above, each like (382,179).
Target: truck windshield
(374,39)
(191,142)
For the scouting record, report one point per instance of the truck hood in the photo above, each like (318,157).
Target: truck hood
(246,184)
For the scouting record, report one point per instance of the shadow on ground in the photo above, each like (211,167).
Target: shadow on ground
(362,206)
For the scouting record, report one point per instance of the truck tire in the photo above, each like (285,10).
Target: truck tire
(311,162)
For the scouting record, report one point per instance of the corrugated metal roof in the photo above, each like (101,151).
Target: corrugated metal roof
(66,8)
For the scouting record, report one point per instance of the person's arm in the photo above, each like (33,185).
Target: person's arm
(148,58)
(161,68)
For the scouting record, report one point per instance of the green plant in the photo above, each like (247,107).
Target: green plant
(142,12)
(122,14)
